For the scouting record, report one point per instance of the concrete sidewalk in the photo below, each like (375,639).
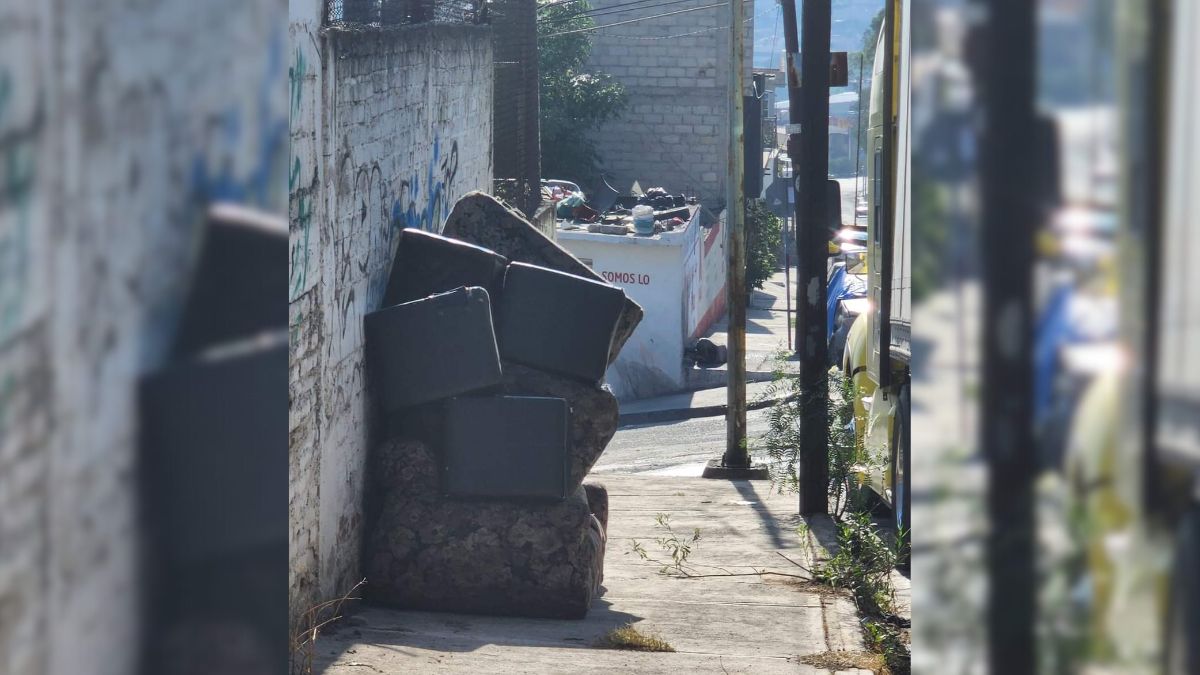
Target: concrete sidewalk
(767,319)
(738,621)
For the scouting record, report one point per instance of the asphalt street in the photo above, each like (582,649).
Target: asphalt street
(674,448)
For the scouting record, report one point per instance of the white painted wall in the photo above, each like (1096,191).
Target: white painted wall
(118,122)
(389,128)
(677,281)
(649,271)
(705,268)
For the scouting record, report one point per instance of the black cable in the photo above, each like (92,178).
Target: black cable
(644,18)
(616,9)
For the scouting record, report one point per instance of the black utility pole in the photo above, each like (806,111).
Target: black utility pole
(812,240)
(1008,171)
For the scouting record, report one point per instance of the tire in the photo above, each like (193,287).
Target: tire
(902,471)
(1183,623)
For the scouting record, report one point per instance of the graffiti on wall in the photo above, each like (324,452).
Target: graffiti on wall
(379,209)
(300,193)
(18,177)
(214,176)
(425,210)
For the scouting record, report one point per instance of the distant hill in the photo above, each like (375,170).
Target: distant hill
(850,19)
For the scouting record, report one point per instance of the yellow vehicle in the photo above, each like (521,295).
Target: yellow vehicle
(1133,462)
(878,351)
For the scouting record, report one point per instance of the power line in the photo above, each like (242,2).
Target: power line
(604,11)
(559,2)
(669,37)
(644,18)
(589,9)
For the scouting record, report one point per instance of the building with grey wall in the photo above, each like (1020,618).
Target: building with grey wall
(676,69)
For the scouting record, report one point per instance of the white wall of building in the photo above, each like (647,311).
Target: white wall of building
(679,280)
(650,272)
(119,121)
(389,128)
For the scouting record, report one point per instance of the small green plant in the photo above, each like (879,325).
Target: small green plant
(884,638)
(628,637)
(864,560)
(764,235)
(672,545)
(782,440)
(862,564)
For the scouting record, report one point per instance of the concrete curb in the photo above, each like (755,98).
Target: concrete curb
(677,414)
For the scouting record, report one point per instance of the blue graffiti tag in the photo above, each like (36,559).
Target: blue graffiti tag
(439,185)
(258,185)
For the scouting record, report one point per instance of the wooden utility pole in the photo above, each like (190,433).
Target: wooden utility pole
(735,209)
(812,237)
(735,462)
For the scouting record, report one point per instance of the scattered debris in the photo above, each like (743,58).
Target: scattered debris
(844,660)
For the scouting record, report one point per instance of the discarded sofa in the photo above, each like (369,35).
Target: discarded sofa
(475,496)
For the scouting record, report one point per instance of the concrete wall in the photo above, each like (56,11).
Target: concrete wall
(118,121)
(389,128)
(679,280)
(705,269)
(674,132)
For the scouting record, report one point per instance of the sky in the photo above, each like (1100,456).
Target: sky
(850,19)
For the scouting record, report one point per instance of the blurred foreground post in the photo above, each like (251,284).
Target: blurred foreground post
(1009,217)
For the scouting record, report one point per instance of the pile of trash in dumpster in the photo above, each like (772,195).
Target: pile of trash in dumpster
(646,214)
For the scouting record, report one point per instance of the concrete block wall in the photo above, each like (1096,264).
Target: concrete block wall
(675,131)
(118,123)
(389,128)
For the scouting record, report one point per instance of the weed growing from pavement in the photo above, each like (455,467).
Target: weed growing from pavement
(862,564)
(844,660)
(864,560)
(679,549)
(670,543)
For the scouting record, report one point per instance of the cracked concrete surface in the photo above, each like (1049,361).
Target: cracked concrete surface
(736,622)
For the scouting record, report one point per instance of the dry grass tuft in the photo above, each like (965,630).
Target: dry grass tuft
(303,642)
(844,660)
(628,637)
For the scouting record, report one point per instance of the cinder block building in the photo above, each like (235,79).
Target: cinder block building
(676,69)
